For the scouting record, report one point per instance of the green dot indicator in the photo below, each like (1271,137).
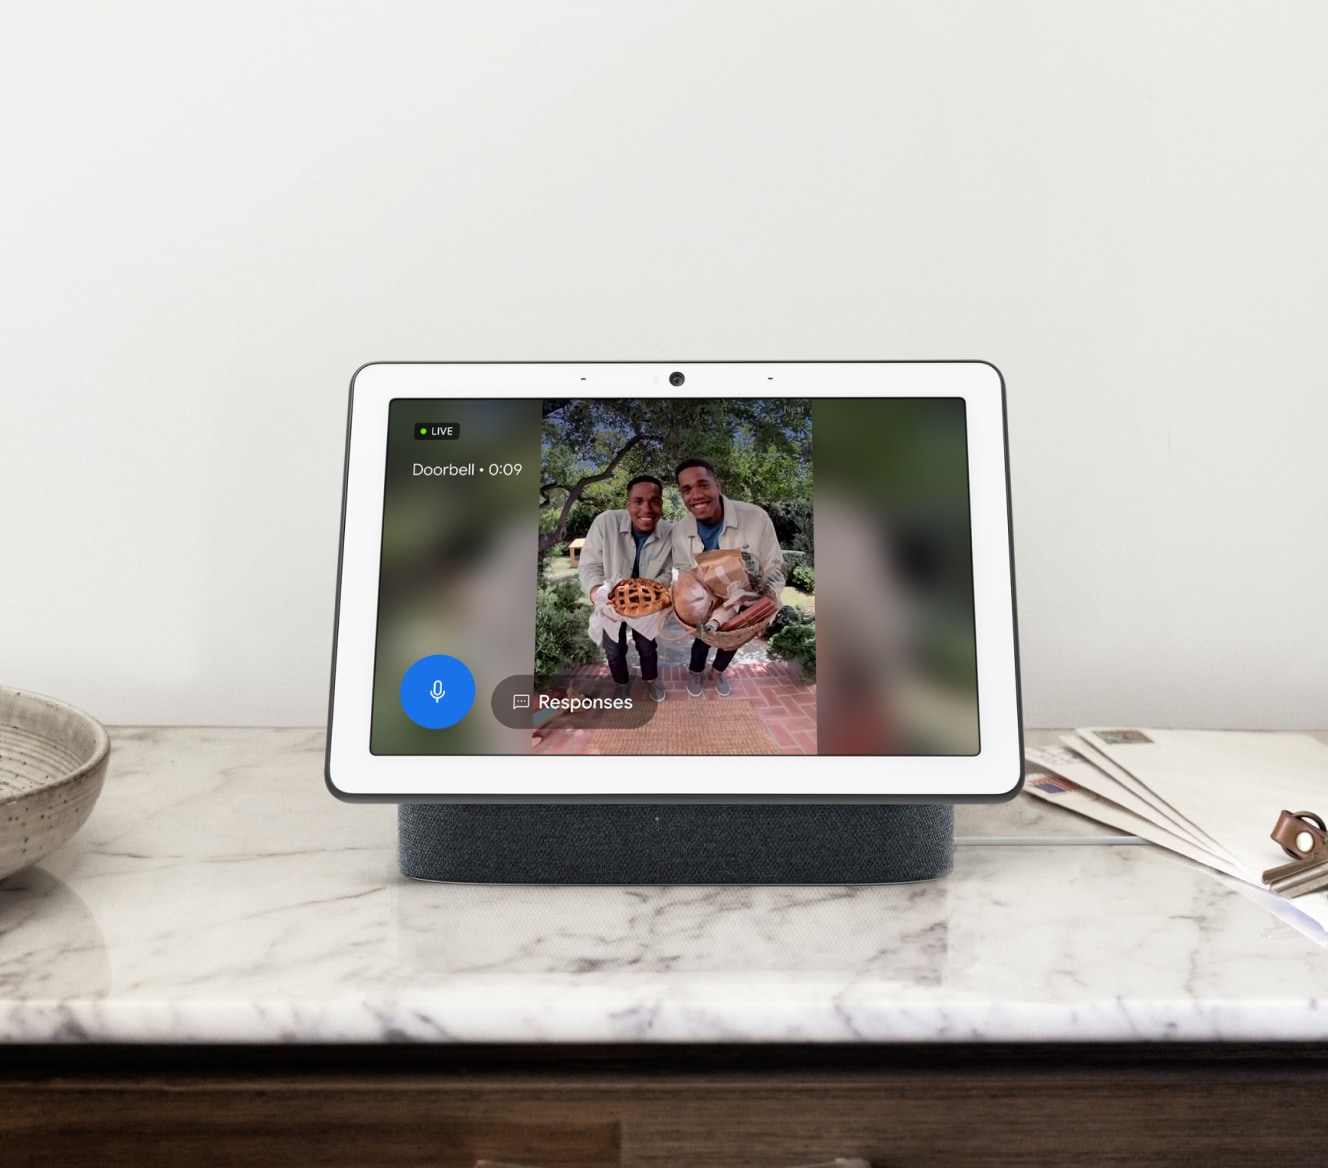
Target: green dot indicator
(423,430)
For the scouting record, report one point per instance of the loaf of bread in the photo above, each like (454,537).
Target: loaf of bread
(692,600)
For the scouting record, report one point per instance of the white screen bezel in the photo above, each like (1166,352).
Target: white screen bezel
(995,772)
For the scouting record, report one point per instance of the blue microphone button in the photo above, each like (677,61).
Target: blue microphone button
(437,692)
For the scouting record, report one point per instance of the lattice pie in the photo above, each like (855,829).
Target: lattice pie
(639,597)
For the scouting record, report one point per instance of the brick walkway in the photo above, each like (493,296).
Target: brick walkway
(786,707)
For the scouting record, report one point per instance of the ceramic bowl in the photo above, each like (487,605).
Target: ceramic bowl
(52,762)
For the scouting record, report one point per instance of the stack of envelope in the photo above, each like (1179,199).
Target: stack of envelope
(1210,796)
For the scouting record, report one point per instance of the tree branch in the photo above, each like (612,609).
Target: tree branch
(559,532)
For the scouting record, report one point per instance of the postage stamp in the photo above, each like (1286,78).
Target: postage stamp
(1122,737)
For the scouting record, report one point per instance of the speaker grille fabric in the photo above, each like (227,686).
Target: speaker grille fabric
(670,843)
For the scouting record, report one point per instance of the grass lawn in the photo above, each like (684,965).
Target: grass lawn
(558,567)
(803,600)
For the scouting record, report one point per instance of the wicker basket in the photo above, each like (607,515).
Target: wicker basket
(733,639)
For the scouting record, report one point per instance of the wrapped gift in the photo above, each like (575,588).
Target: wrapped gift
(721,570)
(753,614)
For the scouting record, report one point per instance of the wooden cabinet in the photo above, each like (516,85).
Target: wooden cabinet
(651,1107)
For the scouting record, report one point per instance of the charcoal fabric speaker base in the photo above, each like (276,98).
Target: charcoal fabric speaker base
(675,843)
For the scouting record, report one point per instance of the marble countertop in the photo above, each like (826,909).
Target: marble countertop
(220,894)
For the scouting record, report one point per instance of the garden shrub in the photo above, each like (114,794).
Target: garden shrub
(796,642)
(561,641)
(803,577)
(792,519)
(788,615)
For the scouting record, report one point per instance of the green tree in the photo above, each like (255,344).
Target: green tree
(760,447)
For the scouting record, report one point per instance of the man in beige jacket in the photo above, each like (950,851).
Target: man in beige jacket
(716,521)
(621,545)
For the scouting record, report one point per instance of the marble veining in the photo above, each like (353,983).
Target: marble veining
(219,894)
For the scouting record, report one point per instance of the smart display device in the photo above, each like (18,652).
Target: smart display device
(490,510)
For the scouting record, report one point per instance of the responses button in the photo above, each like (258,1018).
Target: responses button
(571,702)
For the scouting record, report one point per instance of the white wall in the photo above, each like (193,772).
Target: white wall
(213,213)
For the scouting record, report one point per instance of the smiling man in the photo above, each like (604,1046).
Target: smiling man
(621,545)
(715,521)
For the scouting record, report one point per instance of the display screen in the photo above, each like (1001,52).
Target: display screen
(740,576)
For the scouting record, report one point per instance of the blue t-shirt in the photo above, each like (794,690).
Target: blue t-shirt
(640,537)
(710,534)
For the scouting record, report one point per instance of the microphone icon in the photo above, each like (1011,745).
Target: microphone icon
(438,692)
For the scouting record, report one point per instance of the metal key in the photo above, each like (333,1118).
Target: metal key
(1300,877)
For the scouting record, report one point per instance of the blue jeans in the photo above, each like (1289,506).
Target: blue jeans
(616,652)
(700,651)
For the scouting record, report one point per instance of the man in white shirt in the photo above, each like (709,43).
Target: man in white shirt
(621,545)
(716,521)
